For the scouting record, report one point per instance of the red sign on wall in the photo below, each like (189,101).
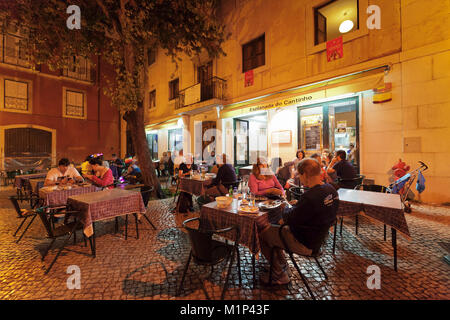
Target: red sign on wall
(335,49)
(249,78)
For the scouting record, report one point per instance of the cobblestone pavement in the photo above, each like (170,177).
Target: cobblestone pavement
(151,267)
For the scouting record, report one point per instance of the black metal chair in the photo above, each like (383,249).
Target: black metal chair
(322,235)
(208,252)
(373,188)
(24,214)
(351,183)
(68,228)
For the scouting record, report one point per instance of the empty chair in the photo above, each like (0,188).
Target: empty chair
(208,252)
(351,183)
(67,229)
(23,214)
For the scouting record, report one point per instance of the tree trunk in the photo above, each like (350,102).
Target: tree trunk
(135,121)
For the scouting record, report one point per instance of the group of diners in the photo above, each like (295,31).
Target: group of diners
(66,173)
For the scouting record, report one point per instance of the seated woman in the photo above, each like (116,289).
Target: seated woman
(226,178)
(103,176)
(262,181)
(323,174)
(285,173)
(185,199)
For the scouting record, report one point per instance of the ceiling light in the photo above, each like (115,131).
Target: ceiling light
(346,26)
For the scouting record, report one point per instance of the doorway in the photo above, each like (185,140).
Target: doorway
(27,148)
(250,138)
(332,125)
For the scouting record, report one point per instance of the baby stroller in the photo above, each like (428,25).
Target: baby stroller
(403,184)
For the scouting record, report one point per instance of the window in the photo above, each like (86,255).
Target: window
(152,99)
(74,104)
(173,89)
(16,95)
(151,56)
(175,140)
(152,140)
(78,68)
(253,54)
(334,19)
(15,47)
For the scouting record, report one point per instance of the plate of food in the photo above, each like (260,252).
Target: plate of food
(270,204)
(248,209)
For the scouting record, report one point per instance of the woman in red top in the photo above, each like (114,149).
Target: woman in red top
(103,176)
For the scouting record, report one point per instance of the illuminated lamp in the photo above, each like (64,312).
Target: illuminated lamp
(346,26)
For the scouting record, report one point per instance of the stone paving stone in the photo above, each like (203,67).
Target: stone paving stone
(150,268)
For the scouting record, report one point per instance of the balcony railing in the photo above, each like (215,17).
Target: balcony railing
(213,88)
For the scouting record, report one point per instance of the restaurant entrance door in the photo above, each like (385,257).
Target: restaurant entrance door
(332,126)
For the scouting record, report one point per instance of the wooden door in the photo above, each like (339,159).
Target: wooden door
(204,77)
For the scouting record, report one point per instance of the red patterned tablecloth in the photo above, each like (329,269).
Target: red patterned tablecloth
(105,204)
(384,207)
(194,186)
(214,218)
(58,197)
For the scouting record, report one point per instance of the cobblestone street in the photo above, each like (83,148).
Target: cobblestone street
(151,267)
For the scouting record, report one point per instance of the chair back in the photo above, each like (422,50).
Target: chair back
(16,206)
(202,245)
(145,193)
(373,188)
(319,233)
(43,216)
(351,183)
(295,193)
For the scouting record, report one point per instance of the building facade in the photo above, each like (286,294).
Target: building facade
(295,78)
(47,115)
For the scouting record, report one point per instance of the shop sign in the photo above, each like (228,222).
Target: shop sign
(249,78)
(335,49)
(383,93)
(288,101)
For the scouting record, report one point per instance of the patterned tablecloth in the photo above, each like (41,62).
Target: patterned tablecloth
(58,197)
(194,186)
(23,181)
(215,218)
(104,205)
(383,207)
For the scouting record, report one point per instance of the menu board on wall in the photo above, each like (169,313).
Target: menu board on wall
(312,137)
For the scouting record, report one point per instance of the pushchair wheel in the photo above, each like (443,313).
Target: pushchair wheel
(407,208)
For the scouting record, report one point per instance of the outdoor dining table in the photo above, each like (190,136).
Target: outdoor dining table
(383,207)
(250,224)
(194,186)
(56,196)
(106,204)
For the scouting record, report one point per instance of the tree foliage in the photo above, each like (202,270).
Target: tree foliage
(122,32)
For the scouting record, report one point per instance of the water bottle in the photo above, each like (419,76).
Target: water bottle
(230,192)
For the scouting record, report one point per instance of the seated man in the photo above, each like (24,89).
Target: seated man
(316,209)
(343,169)
(226,177)
(64,173)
